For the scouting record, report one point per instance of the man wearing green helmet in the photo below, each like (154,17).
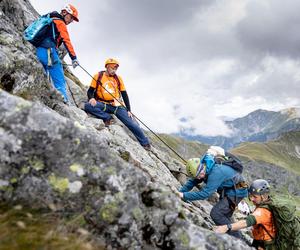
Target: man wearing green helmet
(217,177)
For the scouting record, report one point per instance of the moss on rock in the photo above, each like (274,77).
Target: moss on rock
(58,183)
(184,238)
(109,212)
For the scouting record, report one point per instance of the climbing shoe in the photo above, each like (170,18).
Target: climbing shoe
(147,147)
(109,122)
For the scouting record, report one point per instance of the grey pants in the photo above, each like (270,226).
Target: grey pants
(222,212)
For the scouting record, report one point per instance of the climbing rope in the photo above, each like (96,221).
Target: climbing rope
(121,104)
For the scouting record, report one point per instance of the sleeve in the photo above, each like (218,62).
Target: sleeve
(122,86)
(192,182)
(126,99)
(64,34)
(91,93)
(93,83)
(250,220)
(214,181)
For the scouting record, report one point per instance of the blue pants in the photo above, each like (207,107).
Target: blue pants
(52,64)
(103,111)
(222,212)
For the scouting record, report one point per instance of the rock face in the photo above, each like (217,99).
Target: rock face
(58,158)
(51,161)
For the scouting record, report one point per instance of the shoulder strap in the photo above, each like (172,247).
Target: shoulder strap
(264,228)
(118,81)
(98,82)
(266,206)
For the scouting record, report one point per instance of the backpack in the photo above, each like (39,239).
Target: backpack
(99,83)
(230,160)
(35,32)
(286,222)
(235,163)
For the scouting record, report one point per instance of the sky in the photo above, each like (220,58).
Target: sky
(191,64)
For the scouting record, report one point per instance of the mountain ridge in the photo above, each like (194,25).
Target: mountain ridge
(258,126)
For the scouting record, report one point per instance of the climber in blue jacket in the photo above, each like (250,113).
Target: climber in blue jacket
(221,178)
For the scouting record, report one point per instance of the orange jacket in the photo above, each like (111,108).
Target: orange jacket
(61,34)
(263,217)
(111,87)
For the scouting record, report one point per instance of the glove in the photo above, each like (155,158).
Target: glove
(75,63)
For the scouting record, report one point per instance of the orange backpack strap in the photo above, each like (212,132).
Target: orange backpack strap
(98,83)
(118,81)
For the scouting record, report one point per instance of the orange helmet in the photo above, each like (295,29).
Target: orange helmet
(71,10)
(111,61)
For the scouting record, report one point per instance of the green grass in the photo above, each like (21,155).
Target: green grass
(31,229)
(280,152)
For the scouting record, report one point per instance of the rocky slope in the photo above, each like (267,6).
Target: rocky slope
(258,126)
(56,158)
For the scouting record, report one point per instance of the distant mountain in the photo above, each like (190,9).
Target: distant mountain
(283,152)
(258,126)
(277,161)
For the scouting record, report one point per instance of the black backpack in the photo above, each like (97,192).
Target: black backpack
(230,160)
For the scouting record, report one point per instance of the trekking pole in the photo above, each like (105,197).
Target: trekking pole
(137,118)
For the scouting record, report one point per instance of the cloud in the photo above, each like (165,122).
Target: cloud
(186,64)
(271,27)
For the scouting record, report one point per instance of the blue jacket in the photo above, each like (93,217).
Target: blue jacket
(218,177)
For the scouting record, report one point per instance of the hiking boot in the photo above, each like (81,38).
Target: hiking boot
(147,147)
(109,122)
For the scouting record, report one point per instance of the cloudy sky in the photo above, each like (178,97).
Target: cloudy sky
(189,64)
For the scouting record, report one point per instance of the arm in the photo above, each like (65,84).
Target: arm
(91,93)
(62,29)
(214,181)
(234,227)
(126,99)
(249,221)
(192,182)
(186,187)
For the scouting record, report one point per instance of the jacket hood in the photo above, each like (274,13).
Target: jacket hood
(209,161)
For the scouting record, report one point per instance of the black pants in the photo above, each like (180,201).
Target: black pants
(222,212)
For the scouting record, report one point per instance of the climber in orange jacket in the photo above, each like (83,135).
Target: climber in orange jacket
(107,95)
(51,39)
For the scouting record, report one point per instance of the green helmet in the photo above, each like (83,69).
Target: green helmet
(259,187)
(192,166)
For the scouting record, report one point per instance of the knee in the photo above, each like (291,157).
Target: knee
(87,107)
(215,214)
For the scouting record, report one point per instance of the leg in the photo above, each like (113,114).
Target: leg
(221,214)
(51,63)
(122,115)
(42,56)
(57,74)
(98,111)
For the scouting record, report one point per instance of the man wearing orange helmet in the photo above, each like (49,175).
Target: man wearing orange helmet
(53,36)
(107,95)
